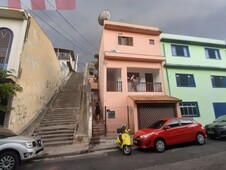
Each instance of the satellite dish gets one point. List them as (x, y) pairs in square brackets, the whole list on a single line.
[(104, 15)]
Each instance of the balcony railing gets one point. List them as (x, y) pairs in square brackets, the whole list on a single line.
[(114, 86), (145, 87)]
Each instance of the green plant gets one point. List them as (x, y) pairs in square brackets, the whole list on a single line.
[(7, 88)]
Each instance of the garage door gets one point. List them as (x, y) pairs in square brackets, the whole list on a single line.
[(149, 113)]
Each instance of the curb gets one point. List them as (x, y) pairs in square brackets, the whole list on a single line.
[(76, 153)]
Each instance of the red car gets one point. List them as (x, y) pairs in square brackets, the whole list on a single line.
[(170, 131)]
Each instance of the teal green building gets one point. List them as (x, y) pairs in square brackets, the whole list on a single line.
[(195, 72)]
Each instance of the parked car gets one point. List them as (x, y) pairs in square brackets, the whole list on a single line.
[(15, 148), (217, 129), (169, 131)]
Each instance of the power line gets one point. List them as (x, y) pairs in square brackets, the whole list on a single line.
[(74, 28), (53, 27)]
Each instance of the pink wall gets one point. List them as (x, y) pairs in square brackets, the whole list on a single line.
[(141, 51)]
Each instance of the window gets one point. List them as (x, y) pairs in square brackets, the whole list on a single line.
[(218, 81), (125, 41), (180, 50), (212, 53), (6, 37), (173, 123), (114, 82), (189, 109), (152, 42), (185, 80), (185, 121)]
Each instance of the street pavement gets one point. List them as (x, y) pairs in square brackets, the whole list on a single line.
[(210, 156)]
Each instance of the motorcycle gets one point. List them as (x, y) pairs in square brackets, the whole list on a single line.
[(123, 140)]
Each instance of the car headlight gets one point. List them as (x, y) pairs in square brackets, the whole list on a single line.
[(147, 135), (28, 144)]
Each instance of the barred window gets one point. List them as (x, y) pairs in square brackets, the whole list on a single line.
[(189, 109), (125, 41)]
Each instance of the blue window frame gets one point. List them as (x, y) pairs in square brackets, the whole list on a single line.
[(218, 81), (180, 50), (189, 109), (185, 80), (212, 53), (6, 38)]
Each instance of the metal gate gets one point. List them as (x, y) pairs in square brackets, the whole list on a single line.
[(150, 112)]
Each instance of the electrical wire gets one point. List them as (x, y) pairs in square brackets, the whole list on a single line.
[(74, 28), (53, 27)]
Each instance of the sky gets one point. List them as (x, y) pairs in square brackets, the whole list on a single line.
[(81, 31)]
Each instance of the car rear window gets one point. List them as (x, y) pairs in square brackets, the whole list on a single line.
[(5, 133), (220, 119)]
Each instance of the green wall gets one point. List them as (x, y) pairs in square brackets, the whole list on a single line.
[(202, 69)]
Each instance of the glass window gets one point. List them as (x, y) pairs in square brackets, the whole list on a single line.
[(212, 53), (218, 81), (125, 41), (189, 109), (180, 50), (185, 80), (114, 82), (152, 42), (173, 123), (6, 37), (185, 122)]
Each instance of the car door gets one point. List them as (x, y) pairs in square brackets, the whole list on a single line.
[(174, 134), (187, 129)]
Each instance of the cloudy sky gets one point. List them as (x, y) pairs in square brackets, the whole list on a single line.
[(81, 31)]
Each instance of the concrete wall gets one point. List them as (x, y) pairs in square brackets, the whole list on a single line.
[(39, 75)]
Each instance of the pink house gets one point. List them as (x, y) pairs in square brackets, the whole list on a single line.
[(128, 50)]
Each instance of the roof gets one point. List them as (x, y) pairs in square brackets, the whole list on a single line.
[(19, 14), (125, 27), (154, 99)]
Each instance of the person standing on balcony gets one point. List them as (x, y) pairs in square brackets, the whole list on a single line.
[(133, 83), (97, 111)]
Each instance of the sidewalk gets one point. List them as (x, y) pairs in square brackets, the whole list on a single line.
[(76, 149)]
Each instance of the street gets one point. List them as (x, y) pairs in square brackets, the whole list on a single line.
[(210, 156)]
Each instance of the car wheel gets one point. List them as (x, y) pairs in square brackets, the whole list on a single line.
[(200, 139), (160, 145), (9, 160)]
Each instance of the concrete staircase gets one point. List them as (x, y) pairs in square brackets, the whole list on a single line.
[(61, 119)]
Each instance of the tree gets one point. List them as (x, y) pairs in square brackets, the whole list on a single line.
[(7, 88)]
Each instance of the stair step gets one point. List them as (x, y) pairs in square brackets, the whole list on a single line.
[(57, 143), (52, 124), (48, 140), (54, 135)]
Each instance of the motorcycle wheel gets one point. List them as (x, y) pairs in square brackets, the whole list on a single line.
[(127, 150)]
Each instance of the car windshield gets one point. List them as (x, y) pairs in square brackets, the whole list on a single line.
[(220, 119), (158, 124), (5, 133)]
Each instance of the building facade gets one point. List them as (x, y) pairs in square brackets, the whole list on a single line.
[(195, 71), (127, 51), (26, 49)]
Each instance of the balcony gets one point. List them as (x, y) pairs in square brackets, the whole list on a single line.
[(114, 86), (144, 87)]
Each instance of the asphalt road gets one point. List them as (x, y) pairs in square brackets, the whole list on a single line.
[(211, 156)]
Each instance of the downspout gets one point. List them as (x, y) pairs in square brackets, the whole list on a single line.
[(167, 74)]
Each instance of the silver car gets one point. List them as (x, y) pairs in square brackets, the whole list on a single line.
[(15, 148)]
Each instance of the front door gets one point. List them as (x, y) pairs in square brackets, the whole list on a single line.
[(149, 82)]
